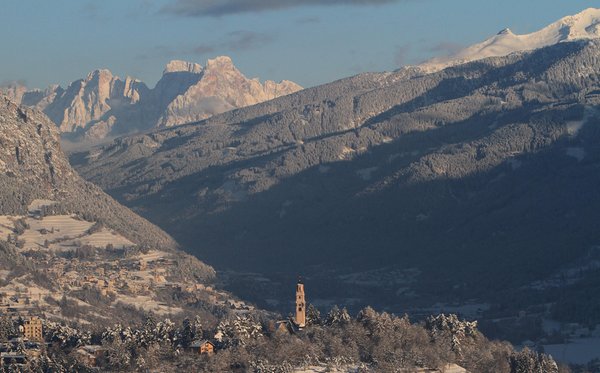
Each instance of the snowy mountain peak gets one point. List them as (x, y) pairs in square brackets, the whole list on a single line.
[(221, 62), (99, 73), (584, 25), (176, 66)]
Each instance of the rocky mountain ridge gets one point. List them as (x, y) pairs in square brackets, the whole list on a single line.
[(103, 105), (581, 26)]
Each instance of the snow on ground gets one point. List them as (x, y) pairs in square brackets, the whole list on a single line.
[(105, 237), (574, 127), (324, 368), (147, 304), (578, 351), (585, 25), (63, 232), (345, 152), (451, 368), (57, 227), (6, 226)]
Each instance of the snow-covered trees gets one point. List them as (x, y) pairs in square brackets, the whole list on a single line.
[(65, 336), (7, 328), (238, 331), (313, 316), (457, 331), (527, 361), (338, 316)]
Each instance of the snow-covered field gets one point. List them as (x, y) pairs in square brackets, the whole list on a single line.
[(103, 238), (56, 227), (62, 232), (148, 304), (6, 226)]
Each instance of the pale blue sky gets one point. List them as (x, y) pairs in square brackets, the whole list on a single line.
[(60, 41)]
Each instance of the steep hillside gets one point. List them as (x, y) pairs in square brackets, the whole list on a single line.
[(103, 105), (33, 167), (471, 173), (72, 253)]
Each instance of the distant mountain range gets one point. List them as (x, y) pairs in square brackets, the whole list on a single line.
[(482, 176), (103, 105)]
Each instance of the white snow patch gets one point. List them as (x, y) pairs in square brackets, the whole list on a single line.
[(58, 227), (105, 237), (148, 304), (6, 226), (573, 127)]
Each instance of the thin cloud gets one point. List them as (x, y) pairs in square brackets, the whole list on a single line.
[(308, 20), (217, 8), (236, 41)]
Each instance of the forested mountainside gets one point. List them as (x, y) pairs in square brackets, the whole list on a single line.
[(474, 173), (114, 294)]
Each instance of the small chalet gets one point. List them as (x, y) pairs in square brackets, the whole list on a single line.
[(91, 355), (286, 327), (202, 347)]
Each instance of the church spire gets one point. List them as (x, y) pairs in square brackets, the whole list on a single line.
[(300, 305)]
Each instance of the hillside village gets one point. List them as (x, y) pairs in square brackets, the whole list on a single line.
[(92, 267)]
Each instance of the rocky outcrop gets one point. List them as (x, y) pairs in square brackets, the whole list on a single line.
[(221, 87)]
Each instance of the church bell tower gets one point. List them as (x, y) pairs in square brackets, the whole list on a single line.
[(300, 305)]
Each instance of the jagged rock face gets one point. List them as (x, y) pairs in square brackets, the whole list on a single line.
[(222, 87), (102, 104), (33, 166), (87, 101), (14, 91)]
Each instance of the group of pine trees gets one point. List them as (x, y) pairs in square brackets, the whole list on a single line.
[(371, 342)]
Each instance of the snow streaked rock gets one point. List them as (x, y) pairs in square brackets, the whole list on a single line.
[(585, 25), (103, 105)]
